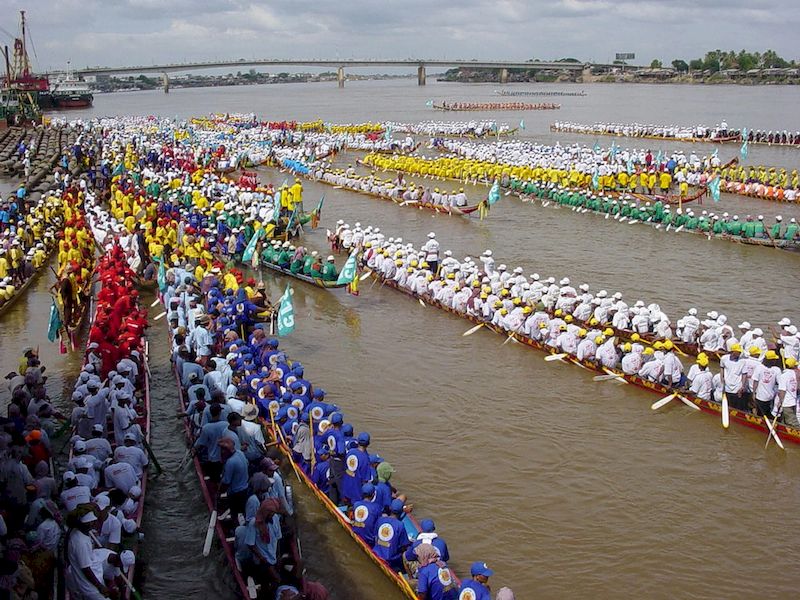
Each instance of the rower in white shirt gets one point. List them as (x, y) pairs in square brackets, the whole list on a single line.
[(765, 382)]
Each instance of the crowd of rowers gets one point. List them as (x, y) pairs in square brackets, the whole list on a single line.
[(473, 127), (95, 508), (497, 106), (601, 328), (229, 379), (27, 236), (719, 132)]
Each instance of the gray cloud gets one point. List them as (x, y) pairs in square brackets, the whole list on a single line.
[(127, 32)]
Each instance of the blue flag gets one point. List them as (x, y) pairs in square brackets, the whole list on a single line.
[(54, 324), (348, 273), (494, 193), (713, 187), (614, 149), (247, 255), (286, 313), (744, 150)]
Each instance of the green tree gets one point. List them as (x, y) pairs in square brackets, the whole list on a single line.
[(771, 60), (680, 65), (655, 64), (696, 64)]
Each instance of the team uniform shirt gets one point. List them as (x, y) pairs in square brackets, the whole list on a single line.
[(111, 531), (391, 538), (365, 514), (765, 382), (436, 582), (356, 473), (734, 371), (474, 590), (74, 496), (787, 382), (79, 556), (99, 447), (121, 476), (134, 456), (234, 472), (702, 384)]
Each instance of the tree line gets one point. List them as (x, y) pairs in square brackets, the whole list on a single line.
[(719, 60)]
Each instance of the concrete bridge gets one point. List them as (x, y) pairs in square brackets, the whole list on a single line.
[(338, 64)]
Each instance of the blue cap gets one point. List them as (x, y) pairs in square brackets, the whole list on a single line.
[(347, 429), (336, 419), (427, 526), (374, 458), (304, 417), (479, 568), (286, 397), (283, 412), (397, 506), (367, 490), (298, 369), (272, 342), (296, 385), (363, 439), (319, 393)]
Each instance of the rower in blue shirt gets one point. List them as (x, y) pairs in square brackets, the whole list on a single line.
[(356, 470), (207, 443), (428, 535), (366, 513), (391, 537), (434, 578), (334, 438), (476, 588), (320, 477), (319, 409), (235, 478)]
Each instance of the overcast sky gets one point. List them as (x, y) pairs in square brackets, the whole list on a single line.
[(138, 32)]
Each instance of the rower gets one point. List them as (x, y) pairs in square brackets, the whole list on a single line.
[(365, 515), (477, 588), (391, 537), (786, 404), (765, 383), (700, 378), (357, 469), (734, 374), (329, 270)]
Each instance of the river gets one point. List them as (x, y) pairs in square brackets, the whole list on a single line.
[(565, 486)]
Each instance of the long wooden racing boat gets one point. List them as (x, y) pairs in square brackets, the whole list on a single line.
[(222, 529), (20, 291), (328, 285), (746, 418), (410, 522)]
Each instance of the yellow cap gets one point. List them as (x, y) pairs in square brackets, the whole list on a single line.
[(648, 351), (791, 363), (527, 310), (599, 339), (414, 263), (582, 332), (503, 311), (626, 347), (593, 321), (772, 355), (504, 292), (736, 348), (635, 337), (542, 325), (484, 296), (498, 304), (409, 270), (398, 262), (658, 345), (517, 301), (568, 318), (754, 350), (702, 360), (559, 312), (476, 283), (562, 327), (608, 331), (668, 345)]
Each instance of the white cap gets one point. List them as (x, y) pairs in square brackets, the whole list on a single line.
[(89, 517), (693, 311), (784, 322), (744, 325), (127, 558), (431, 235), (758, 331), (330, 258)]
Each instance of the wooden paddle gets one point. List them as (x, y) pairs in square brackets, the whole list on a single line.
[(552, 357), (212, 522), (726, 417), (772, 433), (617, 377), (664, 401), (159, 315), (688, 402), (365, 275), (472, 330)]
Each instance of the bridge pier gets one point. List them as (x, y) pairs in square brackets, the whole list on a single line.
[(165, 79), (341, 77), (421, 75), (503, 75)]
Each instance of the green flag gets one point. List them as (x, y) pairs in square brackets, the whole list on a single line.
[(494, 193), (348, 270), (251, 246), (286, 313), (54, 325)]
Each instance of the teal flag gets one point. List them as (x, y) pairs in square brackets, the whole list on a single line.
[(387, 135), (596, 148), (286, 313), (595, 180), (522, 124), (743, 151), (494, 193), (629, 166), (658, 158), (715, 154), (348, 272), (713, 187), (276, 213), (429, 103), (247, 255), (292, 217), (614, 149), (54, 325), (119, 169), (162, 276)]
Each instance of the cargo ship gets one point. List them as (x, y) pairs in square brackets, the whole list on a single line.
[(67, 91)]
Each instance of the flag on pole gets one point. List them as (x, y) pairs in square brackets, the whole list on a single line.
[(715, 154), (429, 103), (317, 213), (247, 255), (596, 179), (348, 272), (494, 193), (54, 325), (276, 212), (596, 148), (387, 135), (658, 158), (162, 276), (614, 149), (292, 217), (713, 187), (629, 166), (286, 313), (522, 124), (743, 151)]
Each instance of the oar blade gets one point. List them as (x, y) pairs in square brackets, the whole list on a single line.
[(552, 357), (212, 522), (726, 415), (665, 400), (472, 330), (688, 402)]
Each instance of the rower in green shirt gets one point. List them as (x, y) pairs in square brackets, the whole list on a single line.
[(316, 267), (759, 227), (791, 230), (719, 226), (734, 226), (775, 231), (329, 270), (297, 263), (284, 256), (749, 228), (308, 262)]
